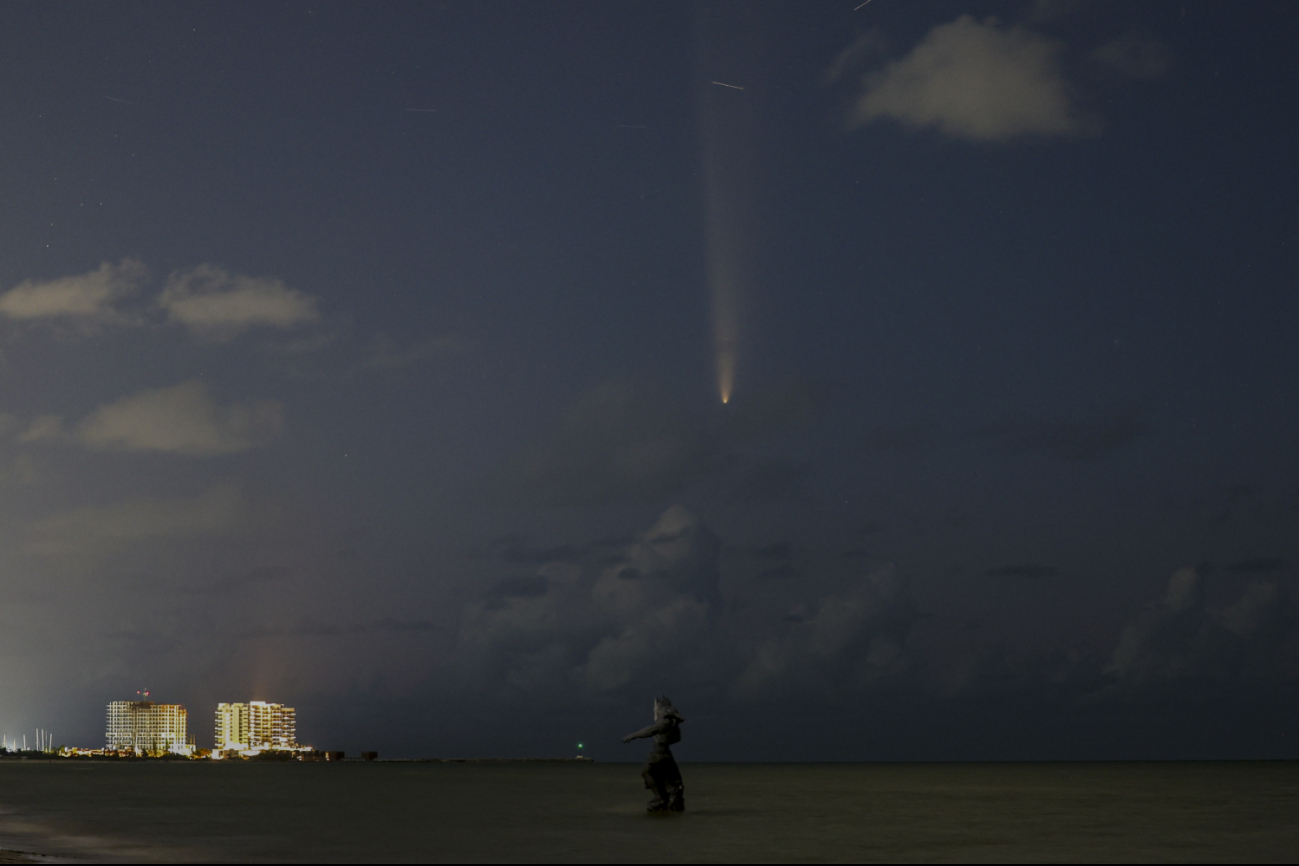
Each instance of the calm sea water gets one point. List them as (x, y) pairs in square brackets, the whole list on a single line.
[(195, 812)]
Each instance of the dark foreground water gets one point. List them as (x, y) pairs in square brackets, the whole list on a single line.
[(594, 812)]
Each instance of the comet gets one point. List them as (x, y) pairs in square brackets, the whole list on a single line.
[(726, 127), (725, 267)]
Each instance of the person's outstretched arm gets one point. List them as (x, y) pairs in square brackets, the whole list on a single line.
[(644, 732)]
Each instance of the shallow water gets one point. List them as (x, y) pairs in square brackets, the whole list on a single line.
[(386, 811)]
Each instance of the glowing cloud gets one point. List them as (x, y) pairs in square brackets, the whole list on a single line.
[(182, 419), (211, 301), (977, 81), (85, 296)]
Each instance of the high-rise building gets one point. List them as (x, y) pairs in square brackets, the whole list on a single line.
[(231, 727), (146, 728), (256, 726)]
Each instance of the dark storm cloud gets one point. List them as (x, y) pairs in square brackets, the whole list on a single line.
[(292, 378), (1034, 572), (659, 616), (1259, 565), (515, 588), (240, 582), (310, 628), (1073, 440), (1181, 638), (778, 551), (89, 534), (783, 571), (621, 442), (520, 549), (593, 630), (831, 648), (1246, 504)]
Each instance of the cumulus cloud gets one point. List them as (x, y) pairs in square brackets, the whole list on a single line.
[(855, 637), (977, 81), (564, 628), (654, 615), (1182, 638), (89, 296), (182, 419), (43, 428), (865, 48), (219, 305)]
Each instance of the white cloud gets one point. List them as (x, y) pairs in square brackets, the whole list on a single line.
[(182, 419), (975, 81), (218, 305), (85, 296)]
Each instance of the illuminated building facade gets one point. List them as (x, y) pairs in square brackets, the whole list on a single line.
[(231, 727), (256, 726), (146, 728)]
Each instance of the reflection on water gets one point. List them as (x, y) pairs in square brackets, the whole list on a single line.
[(186, 812)]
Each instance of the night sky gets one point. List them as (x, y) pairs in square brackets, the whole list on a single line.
[(371, 358)]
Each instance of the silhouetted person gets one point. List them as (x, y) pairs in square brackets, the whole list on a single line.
[(661, 774)]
